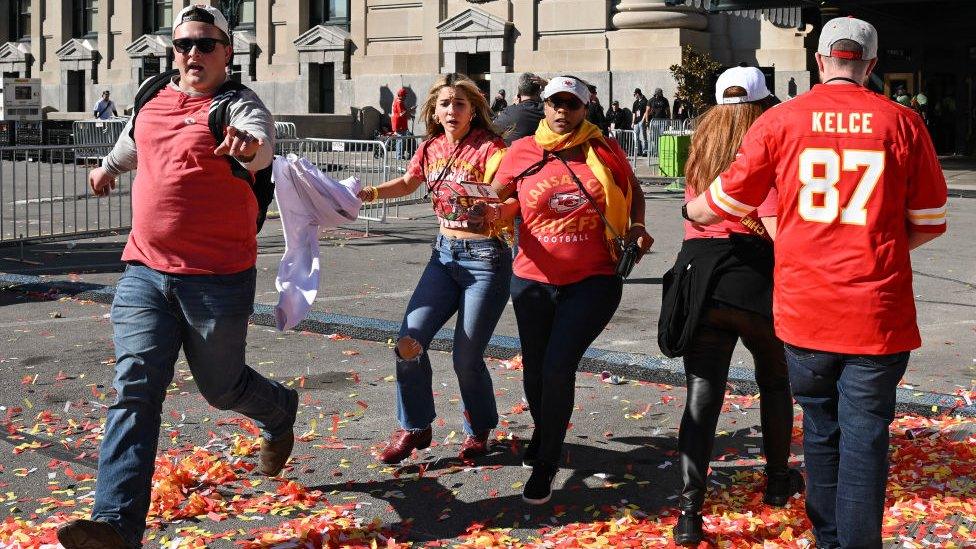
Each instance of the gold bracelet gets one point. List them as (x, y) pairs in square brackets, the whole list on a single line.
[(632, 225), (373, 193)]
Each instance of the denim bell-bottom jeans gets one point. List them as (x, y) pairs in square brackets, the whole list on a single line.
[(470, 278)]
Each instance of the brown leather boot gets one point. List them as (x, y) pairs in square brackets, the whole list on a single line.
[(403, 442), (475, 445), (90, 534), (274, 454)]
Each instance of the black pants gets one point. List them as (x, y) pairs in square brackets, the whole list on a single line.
[(707, 371), (556, 325)]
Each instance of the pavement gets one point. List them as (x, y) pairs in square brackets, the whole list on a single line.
[(616, 489)]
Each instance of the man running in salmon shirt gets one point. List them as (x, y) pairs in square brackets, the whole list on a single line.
[(859, 187), (190, 278)]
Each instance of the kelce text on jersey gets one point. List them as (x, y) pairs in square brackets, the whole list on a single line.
[(842, 122)]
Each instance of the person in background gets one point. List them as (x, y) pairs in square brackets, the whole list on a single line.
[(468, 272), (565, 288), (682, 107), (639, 121), (105, 108), (522, 118), (859, 187), (901, 97), (594, 111), (499, 104), (189, 279), (734, 264), (617, 118), (658, 106), (399, 118)]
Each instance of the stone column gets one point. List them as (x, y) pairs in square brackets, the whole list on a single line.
[(647, 40)]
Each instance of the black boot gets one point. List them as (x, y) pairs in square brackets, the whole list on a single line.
[(688, 530), (782, 486)]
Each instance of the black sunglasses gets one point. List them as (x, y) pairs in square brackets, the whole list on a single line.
[(203, 45), (569, 103)]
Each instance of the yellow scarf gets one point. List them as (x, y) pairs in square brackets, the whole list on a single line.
[(618, 200)]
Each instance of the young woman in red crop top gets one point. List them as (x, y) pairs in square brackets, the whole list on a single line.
[(468, 273)]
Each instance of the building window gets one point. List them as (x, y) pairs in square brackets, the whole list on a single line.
[(157, 16), (84, 13), (240, 14), (330, 12), (20, 19)]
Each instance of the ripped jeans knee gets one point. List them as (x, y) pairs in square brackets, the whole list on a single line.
[(408, 349)]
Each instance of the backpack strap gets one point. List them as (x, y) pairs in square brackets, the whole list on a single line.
[(218, 120), (261, 182), (147, 91)]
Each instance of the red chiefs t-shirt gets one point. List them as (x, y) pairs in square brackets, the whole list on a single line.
[(562, 238), (724, 228), (855, 171), (190, 214), (455, 173)]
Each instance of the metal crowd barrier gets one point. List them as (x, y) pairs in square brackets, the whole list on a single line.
[(628, 142), (399, 150), (44, 195), (285, 130), (342, 158), (92, 136)]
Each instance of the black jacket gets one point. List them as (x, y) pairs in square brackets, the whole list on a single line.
[(594, 113), (520, 120), (735, 271)]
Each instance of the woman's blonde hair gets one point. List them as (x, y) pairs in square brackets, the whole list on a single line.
[(465, 86), (718, 136)]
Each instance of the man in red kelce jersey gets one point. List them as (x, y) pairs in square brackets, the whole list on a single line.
[(859, 187)]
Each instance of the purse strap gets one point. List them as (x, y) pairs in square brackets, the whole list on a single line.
[(589, 197)]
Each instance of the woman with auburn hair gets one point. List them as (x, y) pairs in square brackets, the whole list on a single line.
[(724, 277), (468, 272), (577, 196)]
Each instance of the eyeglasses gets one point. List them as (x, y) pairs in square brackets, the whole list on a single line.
[(203, 45), (569, 103)]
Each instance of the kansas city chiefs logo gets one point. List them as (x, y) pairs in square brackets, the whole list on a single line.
[(565, 202)]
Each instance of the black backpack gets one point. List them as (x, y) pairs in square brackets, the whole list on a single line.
[(261, 183)]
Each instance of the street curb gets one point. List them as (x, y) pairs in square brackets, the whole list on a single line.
[(654, 369)]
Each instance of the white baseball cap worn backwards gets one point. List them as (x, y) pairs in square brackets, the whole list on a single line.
[(204, 14), (750, 79), (567, 84), (848, 28)]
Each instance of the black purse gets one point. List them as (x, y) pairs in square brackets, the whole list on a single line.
[(626, 253)]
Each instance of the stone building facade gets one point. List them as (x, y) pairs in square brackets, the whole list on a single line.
[(340, 56)]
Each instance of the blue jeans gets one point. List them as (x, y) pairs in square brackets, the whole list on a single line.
[(640, 137), (848, 404), (556, 324), (153, 315), (400, 138), (470, 278)]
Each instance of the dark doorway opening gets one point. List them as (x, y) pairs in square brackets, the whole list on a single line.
[(478, 68), (321, 93), (76, 91)]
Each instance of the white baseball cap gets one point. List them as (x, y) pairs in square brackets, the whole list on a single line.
[(568, 84), (848, 28), (750, 79), (204, 14)]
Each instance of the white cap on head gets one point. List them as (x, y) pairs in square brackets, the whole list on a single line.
[(204, 14), (750, 79), (848, 28), (568, 84)]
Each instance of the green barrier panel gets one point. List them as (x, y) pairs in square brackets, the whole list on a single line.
[(672, 154)]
